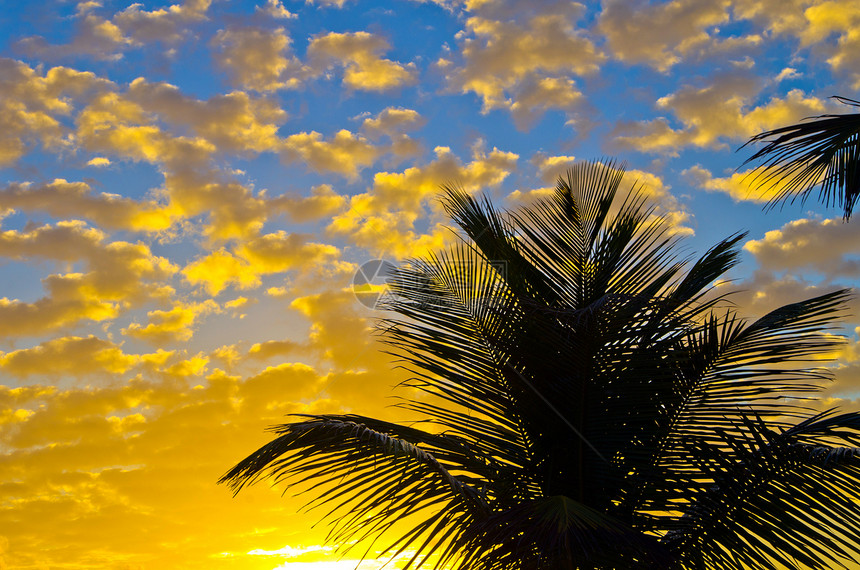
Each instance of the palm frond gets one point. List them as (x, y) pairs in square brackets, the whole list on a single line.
[(781, 502), (824, 152), (588, 401), (384, 472), (556, 532)]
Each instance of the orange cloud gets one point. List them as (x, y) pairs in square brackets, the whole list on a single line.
[(270, 253), (322, 202), (392, 121)]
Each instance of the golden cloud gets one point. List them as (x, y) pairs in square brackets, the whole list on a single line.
[(359, 53), (281, 251), (740, 185), (164, 24), (322, 202), (509, 57), (119, 275), (74, 356), (258, 59), (233, 210), (33, 104), (114, 125), (173, 325), (103, 38), (392, 121), (270, 253), (826, 246), (345, 153), (232, 122), (219, 269), (383, 219), (711, 114), (61, 198), (841, 18), (275, 9), (660, 34)]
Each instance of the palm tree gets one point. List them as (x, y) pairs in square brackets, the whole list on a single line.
[(824, 153), (588, 401)]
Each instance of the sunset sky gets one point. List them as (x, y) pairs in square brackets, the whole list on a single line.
[(188, 190)]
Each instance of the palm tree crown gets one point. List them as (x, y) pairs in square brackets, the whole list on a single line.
[(589, 402), (824, 152)]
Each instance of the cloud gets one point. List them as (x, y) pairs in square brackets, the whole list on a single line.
[(119, 275), (524, 58), (711, 114), (285, 382), (35, 104), (345, 153), (275, 9), (61, 198), (322, 202), (269, 253), (113, 125), (384, 219), (359, 53), (328, 3), (271, 348), (173, 325), (842, 19), (108, 457), (281, 251), (164, 24), (232, 209), (392, 121), (153, 123), (537, 96), (219, 269), (774, 16), (94, 36), (235, 122), (826, 246), (660, 34), (741, 186), (258, 59), (74, 356), (107, 39), (99, 162)]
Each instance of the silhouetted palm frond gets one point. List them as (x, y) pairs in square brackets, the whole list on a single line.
[(823, 152), (588, 402)]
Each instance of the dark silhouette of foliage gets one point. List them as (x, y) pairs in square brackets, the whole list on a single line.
[(589, 402), (823, 153)]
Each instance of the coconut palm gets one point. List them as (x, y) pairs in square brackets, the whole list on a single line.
[(588, 401), (823, 153)]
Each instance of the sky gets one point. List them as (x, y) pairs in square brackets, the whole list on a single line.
[(188, 190)]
